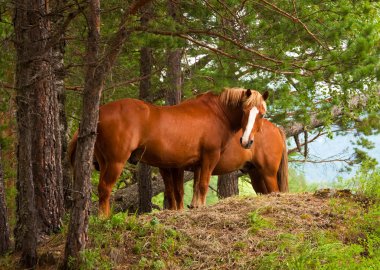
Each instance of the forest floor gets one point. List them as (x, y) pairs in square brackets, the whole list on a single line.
[(327, 229)]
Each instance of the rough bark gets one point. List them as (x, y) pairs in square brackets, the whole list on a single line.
[(78, 226), (97, 69), (5, 242), (144, 172), (35, 42), (174, 80), (59, 73), (228, 185), (25, 232), (47, 168), (174, 91), (174, 57), (30, 38), (46, 151), (144, 176)]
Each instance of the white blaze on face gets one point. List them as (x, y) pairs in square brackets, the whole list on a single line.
[(251, 121)]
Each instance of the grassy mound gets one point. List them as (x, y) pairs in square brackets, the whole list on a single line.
[(324, 230)]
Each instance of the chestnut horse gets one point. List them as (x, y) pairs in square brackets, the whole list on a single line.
[(266, 162), (190, 134)]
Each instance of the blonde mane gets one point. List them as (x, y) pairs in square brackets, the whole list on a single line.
[(233, 96)]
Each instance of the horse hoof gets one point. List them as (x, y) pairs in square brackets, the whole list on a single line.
[(190, 206)]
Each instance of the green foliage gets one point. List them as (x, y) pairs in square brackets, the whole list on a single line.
[(93, 259), (317, 252), (102, 232), (331, 55), (258, 222), (151, 241), (369, 125), (154, 242), (365, 181), (355, 248)]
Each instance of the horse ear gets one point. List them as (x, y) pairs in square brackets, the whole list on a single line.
[(265, 95), (248, 93)]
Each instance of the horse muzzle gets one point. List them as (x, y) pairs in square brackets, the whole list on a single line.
[(246, 145)]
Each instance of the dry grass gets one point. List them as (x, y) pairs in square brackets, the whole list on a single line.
[(215, 235), (228, 235)]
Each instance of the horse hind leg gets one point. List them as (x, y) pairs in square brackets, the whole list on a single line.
[(208, 165), (271, 184), (257, 182), (203, 186), (195, 200), (109, 173), (264, 181), (169, 193)]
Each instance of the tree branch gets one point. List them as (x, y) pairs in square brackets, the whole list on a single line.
[(294, 19), (356, 102)]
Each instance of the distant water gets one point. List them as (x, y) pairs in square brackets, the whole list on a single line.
[(340, 147)]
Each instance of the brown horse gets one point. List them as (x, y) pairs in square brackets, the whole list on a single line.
[(190, 134), (265, 161)]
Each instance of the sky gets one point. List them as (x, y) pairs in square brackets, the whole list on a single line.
[(326, 173)]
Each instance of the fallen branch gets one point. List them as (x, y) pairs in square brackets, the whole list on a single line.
[(127, 199)]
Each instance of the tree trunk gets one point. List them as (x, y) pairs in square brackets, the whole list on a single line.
[(144, 176), (25, 232), (35, 42), (174, 91), (59, 86), (4, 227), (174, 57), (46, 152), (174, 76), (144, 173), (97, 69), (78, 226), (32, 76), (174, 79), (228, 185)]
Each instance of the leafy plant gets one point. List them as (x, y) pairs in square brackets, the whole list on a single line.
[(365, 181), (93, 259), (258, 222)]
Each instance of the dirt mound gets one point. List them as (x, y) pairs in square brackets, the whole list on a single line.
[(230, 234), (237, 233)]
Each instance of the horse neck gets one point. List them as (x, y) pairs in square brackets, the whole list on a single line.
[(232, 115)]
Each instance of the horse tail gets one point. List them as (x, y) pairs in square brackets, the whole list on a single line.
[(282, 173), (71, 152), (72, 148)]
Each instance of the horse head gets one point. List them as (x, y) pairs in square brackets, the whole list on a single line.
[(253, 113)]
